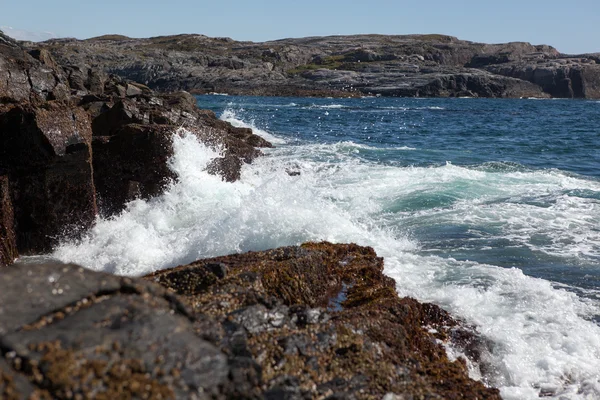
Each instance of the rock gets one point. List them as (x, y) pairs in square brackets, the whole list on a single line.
[(321, 320), (49, 113), (400, 65), (254, 325), (8, 239), (134, 142), (88, 334), (24, 78), (47, 155), (567, 78), (132, 163)]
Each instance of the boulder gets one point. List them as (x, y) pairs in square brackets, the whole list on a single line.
[(46, 151), (81, 334), (24, 78)]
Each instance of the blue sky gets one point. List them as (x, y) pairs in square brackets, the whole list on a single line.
[(571, 27)]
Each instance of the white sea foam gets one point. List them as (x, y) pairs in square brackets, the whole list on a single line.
[(543, 340), (430, 108), (327, 106), (230, 116)]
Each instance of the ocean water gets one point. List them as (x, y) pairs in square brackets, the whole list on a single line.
[(489, 208)]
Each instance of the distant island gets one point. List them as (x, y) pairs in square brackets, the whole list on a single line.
[(361, 65)]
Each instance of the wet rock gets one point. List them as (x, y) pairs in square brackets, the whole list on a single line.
[(133, 141), (82, 333), (272, 306), (130, 163), (49, 113), (47, 155), (8, 239)]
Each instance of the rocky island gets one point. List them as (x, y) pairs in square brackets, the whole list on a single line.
[(407, 65), (86, 126)]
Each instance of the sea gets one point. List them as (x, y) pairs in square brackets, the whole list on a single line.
[(489, 208)]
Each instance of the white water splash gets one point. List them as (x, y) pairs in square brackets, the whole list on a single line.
[(230, 116)]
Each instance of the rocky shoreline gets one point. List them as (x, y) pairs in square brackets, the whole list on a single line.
[(338, 66), (76, 142)]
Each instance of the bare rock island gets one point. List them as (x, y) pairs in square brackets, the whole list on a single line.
[(402, 65)]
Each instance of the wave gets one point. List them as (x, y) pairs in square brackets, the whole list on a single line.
[(543, 339), (230, 116), (327, 106)]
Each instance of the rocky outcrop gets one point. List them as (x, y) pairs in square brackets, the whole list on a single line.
[(561, 77), (75, 137), (401, 65), (46, 151), (81, 334), (312, 321), (133, 136), (322, 321)]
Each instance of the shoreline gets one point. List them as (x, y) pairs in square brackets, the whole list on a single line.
[(76, 142)]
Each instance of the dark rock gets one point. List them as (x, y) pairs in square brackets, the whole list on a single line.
[(46, 153), (132, 163), (81, 333), (24, 78), (134, 141), (228, 167), (46, 144), (8, 239)]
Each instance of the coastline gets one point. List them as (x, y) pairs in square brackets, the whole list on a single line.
[(76, 142), (385, 65)]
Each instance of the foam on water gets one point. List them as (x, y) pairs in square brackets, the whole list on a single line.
[(230, 116), (543, 339)]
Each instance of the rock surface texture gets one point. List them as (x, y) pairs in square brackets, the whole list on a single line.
[(408, 65), (75, 141), (255, 325)]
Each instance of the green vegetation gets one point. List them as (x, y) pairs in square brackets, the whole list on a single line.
[(109, 37), (331, 62)]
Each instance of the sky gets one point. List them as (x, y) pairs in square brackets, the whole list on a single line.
[(572, 27)]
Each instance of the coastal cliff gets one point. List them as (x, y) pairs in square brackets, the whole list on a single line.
[(407, 65)]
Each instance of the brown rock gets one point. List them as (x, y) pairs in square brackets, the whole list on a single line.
[(130, 163), (24, 78), (8, 240), (47, 155), (322, 320), (67, 332)]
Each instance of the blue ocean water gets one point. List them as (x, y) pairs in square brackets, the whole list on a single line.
[(521, 144), (489, 208)]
